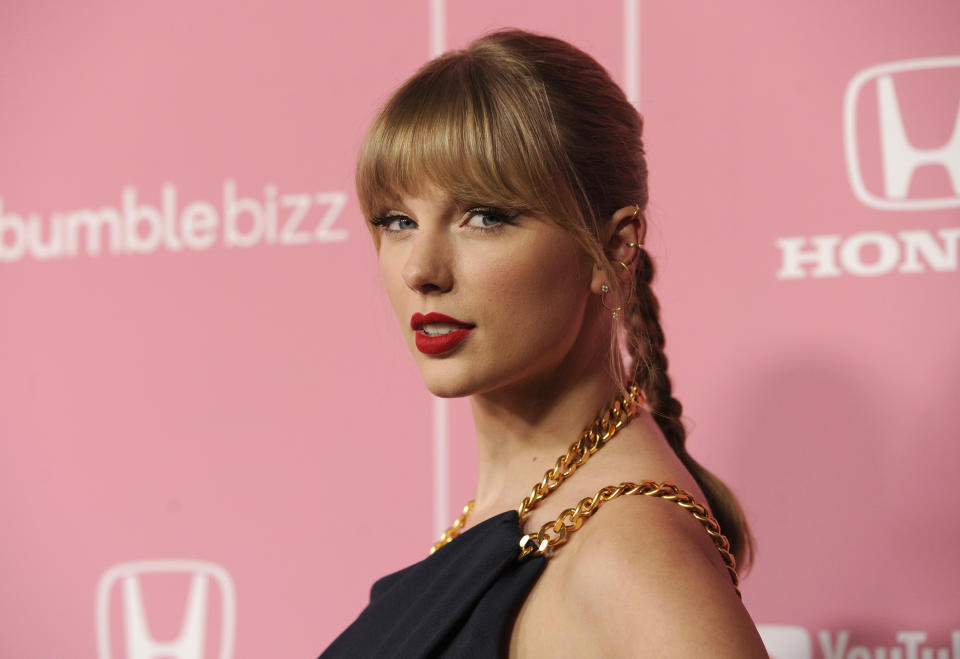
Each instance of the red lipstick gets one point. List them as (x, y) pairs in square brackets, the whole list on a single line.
[(439, 344)]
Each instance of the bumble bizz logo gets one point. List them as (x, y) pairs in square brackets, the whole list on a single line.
[(909, 251), (136, 227)]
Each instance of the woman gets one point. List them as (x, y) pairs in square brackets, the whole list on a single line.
[(505, 186)]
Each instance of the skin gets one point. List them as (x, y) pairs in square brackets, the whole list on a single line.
[(641, 577)]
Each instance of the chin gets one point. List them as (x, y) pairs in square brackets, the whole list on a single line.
[(447, 387), (444, 379)]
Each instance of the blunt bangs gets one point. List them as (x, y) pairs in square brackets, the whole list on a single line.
[(478, 129)]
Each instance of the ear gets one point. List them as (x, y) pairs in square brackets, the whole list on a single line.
[(625, 226)]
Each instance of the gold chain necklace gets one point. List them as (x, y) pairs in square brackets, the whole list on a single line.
[(598, 433), (594, 437)]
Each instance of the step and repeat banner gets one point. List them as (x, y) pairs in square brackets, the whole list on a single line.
[(212, 437)]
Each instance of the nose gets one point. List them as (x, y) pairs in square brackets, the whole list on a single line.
[(428, 265)]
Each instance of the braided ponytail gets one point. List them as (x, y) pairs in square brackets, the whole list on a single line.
[(645, 344)]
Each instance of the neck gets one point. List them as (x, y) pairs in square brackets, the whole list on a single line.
[(522, 429)]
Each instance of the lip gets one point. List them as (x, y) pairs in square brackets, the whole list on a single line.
[(418, 320), (437, 345)]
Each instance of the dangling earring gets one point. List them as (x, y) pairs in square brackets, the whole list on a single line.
[(604, 289)]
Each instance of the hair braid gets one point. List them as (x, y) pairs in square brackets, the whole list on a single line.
[(645, 343)]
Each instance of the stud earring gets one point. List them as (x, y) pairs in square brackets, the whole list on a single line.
[(615, 311)]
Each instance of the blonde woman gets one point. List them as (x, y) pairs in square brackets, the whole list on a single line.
[(505, 186)]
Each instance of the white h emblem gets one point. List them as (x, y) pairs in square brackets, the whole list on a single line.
[(189, 644), (898, 157)]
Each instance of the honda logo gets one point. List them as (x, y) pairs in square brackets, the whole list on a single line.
[(899, 158), (139, 642)]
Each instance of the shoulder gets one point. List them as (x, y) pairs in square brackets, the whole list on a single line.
[(644, 574)]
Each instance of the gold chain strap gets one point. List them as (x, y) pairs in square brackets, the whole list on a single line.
[(454, 530), (607, 423), (592, 440), (603, 428), (571, 519)]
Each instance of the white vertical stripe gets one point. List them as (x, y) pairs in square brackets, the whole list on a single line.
[(441, 409), (441, 466), (438, 28), (631, 50)]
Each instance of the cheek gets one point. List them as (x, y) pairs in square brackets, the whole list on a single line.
[(540, 291), (390, 275)]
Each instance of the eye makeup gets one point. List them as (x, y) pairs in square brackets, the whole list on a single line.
[(395, 222)]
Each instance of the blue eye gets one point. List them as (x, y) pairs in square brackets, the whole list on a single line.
[(393, 222), (488, 219), (483, 219)]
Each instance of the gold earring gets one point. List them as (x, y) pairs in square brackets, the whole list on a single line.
[(606, 289), (636, 214)]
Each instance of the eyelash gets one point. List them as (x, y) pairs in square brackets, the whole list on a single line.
[(503, 218)]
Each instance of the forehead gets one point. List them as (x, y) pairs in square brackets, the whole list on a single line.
[(427, 193), (466, 181), (431, 196)]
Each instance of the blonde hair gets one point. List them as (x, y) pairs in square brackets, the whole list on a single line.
[(533, 124)]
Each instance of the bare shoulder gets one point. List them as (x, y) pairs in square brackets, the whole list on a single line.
[(646, 577)]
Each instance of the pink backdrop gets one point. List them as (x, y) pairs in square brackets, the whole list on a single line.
[(206, 401)]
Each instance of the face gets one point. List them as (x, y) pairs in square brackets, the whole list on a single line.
[(485, 298)]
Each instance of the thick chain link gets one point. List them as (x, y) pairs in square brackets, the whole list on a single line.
[(553, 534), (603, 428), (607, 423), (454, 530)]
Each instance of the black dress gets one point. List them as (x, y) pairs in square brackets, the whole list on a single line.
[(460, 601)]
